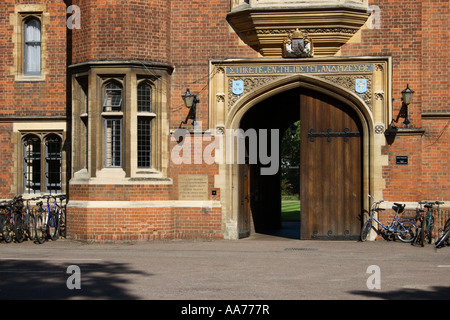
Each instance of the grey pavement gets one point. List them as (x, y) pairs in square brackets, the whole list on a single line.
[(260, 267)]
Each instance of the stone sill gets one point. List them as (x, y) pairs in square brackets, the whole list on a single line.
[(396, 131), (436, 115), (116, 176)]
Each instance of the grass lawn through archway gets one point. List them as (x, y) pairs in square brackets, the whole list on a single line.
[(290, 210)]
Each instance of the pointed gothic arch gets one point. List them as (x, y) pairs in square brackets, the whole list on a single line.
[(323, 88)]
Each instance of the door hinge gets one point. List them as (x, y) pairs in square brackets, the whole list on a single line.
[(329, 134)]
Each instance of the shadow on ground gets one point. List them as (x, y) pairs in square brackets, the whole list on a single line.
[(289, 229), (26, 280), (435, 293)]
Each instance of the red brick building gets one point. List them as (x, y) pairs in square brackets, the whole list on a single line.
[(92, 100)]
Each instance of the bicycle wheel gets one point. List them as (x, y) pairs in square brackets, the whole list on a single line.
[(6, 228), (420, 239), (365, 231), (19, 227), (406, 231), (443, 239), (429, 230), (52, 226), (62, 223), (41, 233), (31, 226), (447, 226)]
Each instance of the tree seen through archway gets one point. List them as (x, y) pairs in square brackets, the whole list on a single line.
[(290, 173)]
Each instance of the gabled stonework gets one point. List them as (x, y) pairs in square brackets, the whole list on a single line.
[(264, 24)]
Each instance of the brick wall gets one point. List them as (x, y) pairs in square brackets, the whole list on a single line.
[(435, 56), (6, 161), (415, 34), (186, 35), (27, 100), (200, 32), (121, 30), (142, 224), (435, 184), (44, 98), (102, 192), (198, 159), (399, 36)]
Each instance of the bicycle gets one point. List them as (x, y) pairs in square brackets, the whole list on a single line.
[(47, 220), (12, 221), (444, 239), (61, 216), (30, 219), (425, 233), (18, 218), (421, 231), (57, 218), (5, 221), (405, 230)]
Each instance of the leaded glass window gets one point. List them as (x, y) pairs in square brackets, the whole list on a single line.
[(32, 50), (113, 98)]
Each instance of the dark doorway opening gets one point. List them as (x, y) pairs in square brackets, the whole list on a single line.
[(329, 175), (279, 112)]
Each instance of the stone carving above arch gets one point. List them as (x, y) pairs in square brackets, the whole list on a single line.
[(250, 84), (264, 24), (237, 81), (348, 82)]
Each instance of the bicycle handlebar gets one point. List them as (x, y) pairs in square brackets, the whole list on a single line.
[(49, 196), (18, 200), (17, 203), (429, 204), (375, 202)]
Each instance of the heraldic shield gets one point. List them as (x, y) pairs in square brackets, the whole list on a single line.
[(361, 85), (237, 87), (297, 45)]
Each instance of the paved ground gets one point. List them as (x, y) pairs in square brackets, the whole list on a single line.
[(261, 267)]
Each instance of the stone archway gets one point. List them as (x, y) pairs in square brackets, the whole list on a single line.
[(372, 109)]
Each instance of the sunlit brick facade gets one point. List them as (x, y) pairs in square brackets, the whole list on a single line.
[(105, 90)]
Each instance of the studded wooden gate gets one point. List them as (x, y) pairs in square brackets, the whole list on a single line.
[(330, 169)]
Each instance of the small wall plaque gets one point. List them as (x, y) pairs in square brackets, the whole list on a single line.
[(193, 187), (401, 160)]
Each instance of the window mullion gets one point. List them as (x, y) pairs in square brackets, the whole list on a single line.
[(113, 142), (144, 119)]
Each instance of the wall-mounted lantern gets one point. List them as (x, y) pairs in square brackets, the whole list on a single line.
[(190, 101), (407, 97)]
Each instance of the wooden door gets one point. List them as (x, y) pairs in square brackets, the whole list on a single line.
[(330, 169), (244, 205)]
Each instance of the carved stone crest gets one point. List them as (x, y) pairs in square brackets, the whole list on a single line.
[(297, 45), (237, 87), (361, 86)]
